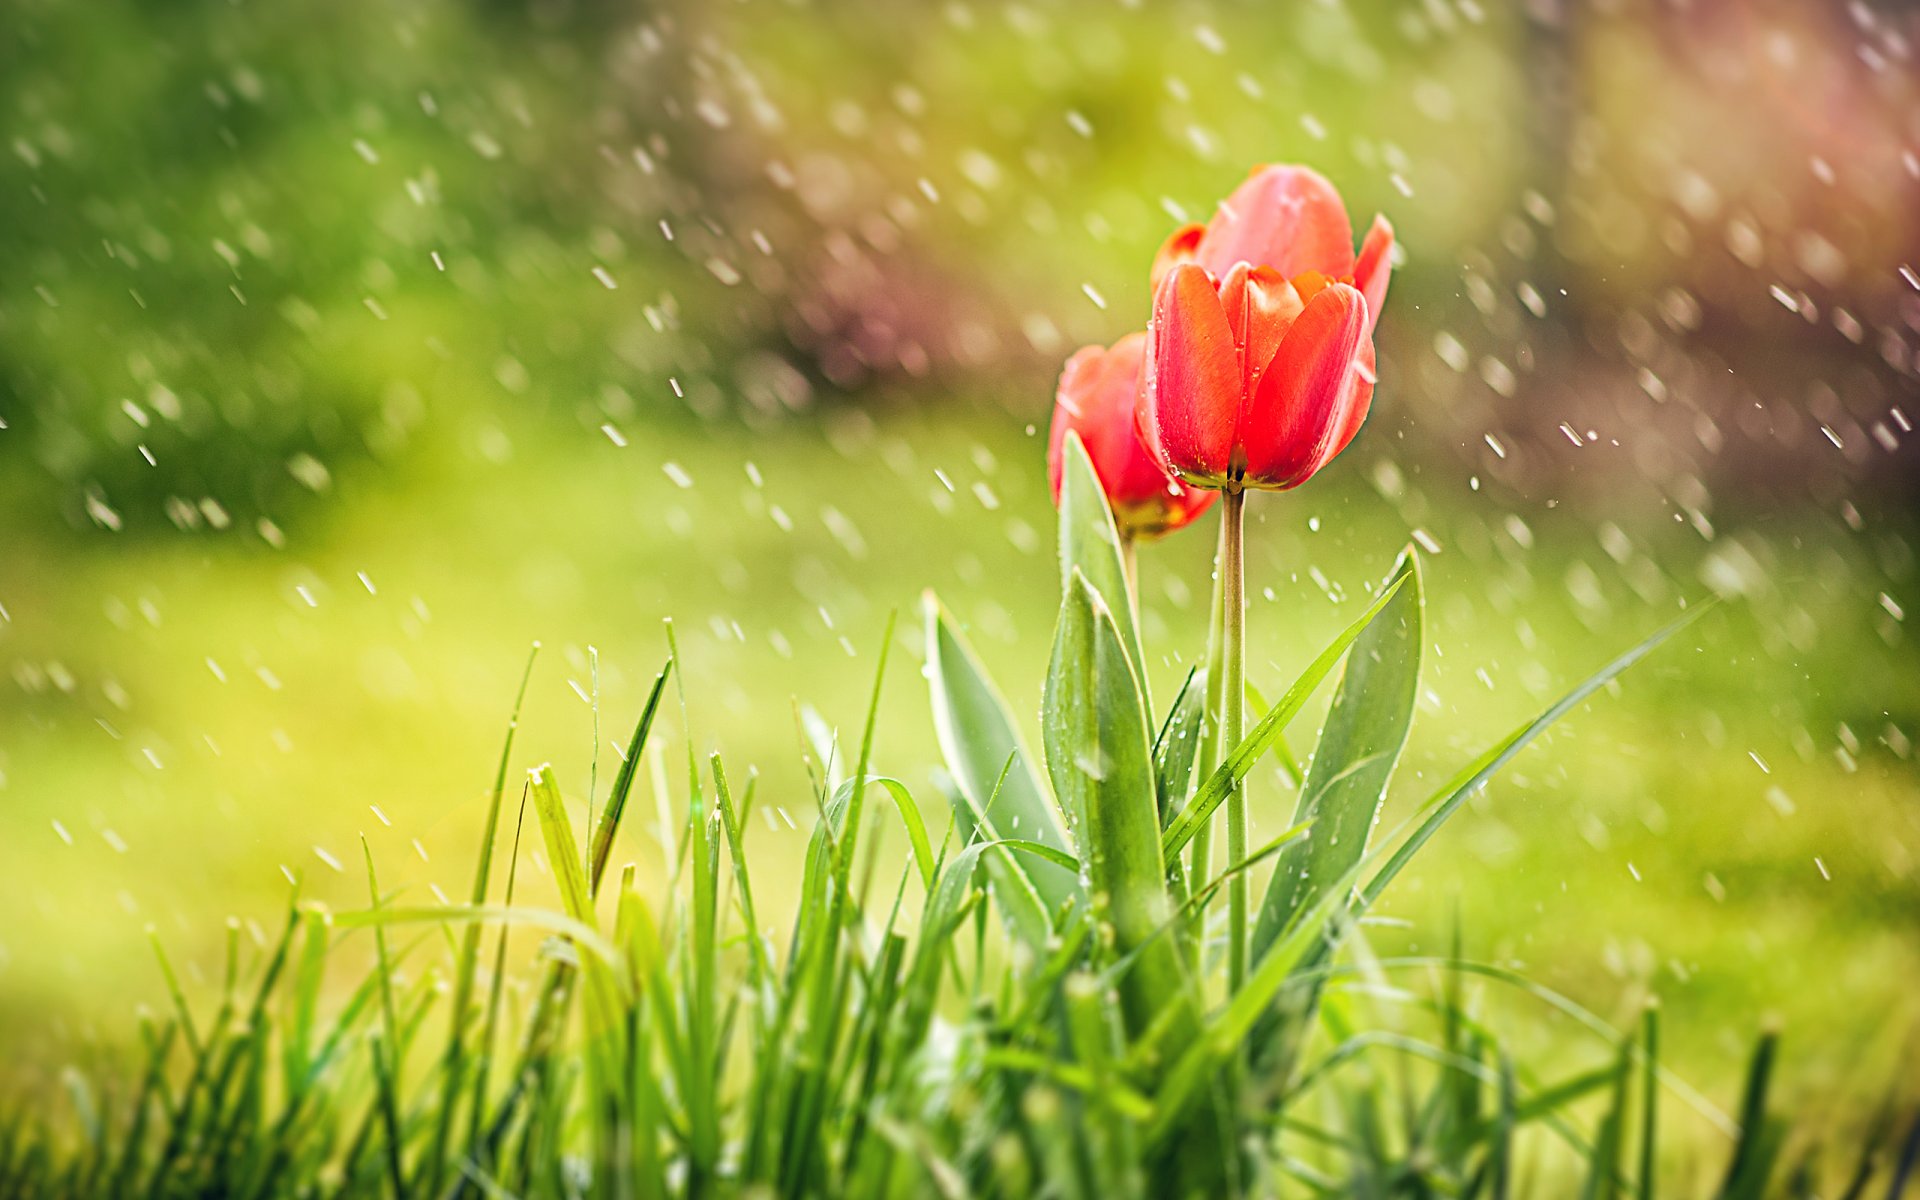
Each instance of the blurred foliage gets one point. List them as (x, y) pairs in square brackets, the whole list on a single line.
[(244, 247)]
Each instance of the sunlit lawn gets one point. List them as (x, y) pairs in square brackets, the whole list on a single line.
[(196, 713)]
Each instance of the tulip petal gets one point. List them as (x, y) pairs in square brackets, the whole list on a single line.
[(1179, 247), (1358, 398), (1261, 305), (1287, 218), (1297, 413), (1192, 380), (1130, 474), (1070, 407), (1375, 264), (1096, 400)]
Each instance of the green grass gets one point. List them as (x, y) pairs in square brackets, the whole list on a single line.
[(955, 1020)]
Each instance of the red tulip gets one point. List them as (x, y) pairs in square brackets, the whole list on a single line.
[(1096, 398), (1260, 364)]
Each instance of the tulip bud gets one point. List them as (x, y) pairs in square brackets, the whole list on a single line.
[(1096, 399), (1259, 365)]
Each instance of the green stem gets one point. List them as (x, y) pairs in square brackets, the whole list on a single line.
[(1201, 864), (1233, 697), (1130, 567)]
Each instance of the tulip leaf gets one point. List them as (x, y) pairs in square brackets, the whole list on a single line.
[(1178, 748), (1100, 759), (1090, 544), (1365, 732), (1281, 1031), (1445, 802), (999, 794)]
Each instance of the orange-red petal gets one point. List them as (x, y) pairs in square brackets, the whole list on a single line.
[(1071, 406), (1095, 401), (1193, 379), (1372, 269), (1179, 247), (1261, 305), (1297, 413), (1284, 217), (1359, 396), (1129, 474)]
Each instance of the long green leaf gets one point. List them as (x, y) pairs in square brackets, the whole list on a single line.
[(569, 871), (1098, 754), (1177, 748), (994, 773), (1365, 732), (1445, 802)]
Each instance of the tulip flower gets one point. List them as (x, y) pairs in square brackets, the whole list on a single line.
[(1259, 370), (1260, 365), (1096, 400)]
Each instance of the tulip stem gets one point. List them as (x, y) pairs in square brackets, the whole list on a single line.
[(1130, 564), (1201, 865), (1233, 699)]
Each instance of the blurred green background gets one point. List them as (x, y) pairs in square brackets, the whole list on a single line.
[(347, 349)]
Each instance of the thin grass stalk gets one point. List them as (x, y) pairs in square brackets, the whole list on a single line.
[(1751, 1161), (828, 991), (490, 1026), (556, 990), (136, 1137), (1649, 1098), (454, 1061), (700, 1076), (389, 1117)]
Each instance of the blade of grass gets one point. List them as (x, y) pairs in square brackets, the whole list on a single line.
[(609, 819), (1365, 732), (1759, 1142), (1603, 1165), (1445, 802), (454, 1059), (1649, 1099), (1229, 774), (490, 1024)]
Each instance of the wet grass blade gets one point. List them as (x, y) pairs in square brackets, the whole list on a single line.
[(1758, 1145), (608, 823), (1649, 1100), (1177, 747), (1365, 732), (1264, 733), (1603, 1165), (490, 1023), (454, 1059), (1450, 797)]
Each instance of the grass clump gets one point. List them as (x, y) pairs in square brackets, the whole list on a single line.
[(1037, 1003)]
